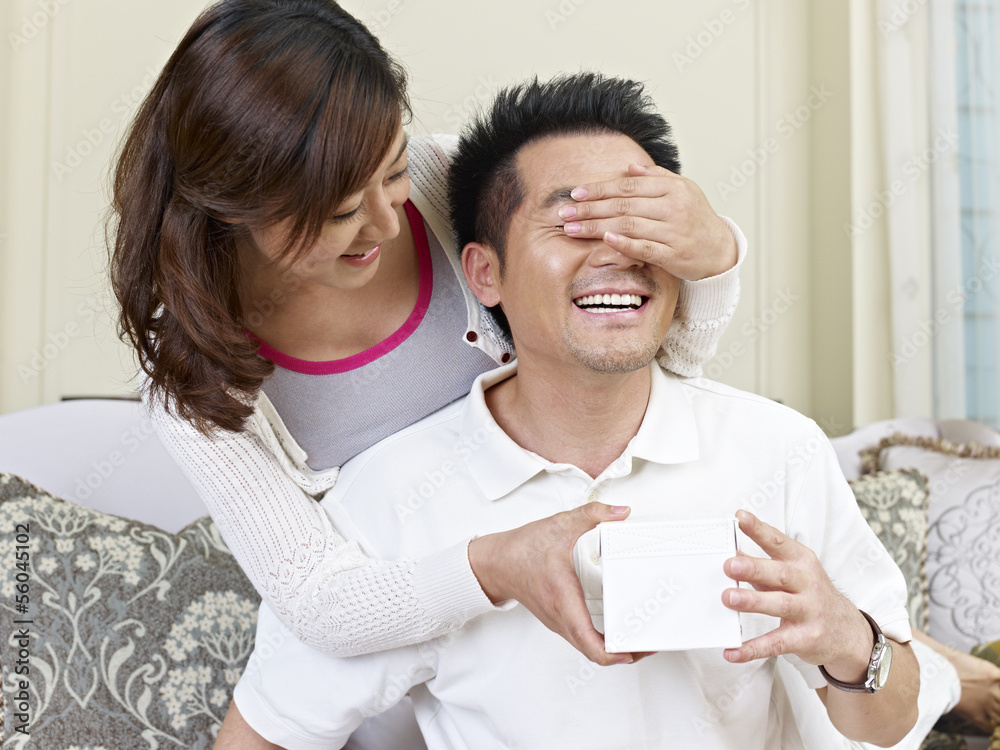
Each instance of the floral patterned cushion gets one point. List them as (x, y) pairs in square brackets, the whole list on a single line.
[(135, 637), (963, 538), (895, 505)]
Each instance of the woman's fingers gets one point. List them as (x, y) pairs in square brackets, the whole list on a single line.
[(640, 181), (656, 217), (651, 207)]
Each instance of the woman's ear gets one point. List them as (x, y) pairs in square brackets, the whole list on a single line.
[(482, 272)]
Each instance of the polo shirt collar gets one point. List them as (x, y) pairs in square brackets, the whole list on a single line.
[(495, 461), (667, 435)]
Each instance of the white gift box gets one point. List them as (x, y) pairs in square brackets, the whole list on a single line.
[(657, 585)]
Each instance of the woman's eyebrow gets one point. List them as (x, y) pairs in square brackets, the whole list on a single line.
[(406, 142)]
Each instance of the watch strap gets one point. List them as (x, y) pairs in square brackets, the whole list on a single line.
[(868, 686)]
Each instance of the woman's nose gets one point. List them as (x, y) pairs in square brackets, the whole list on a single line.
[(383, 216)]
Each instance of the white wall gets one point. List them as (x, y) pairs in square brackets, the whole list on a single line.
[(77, 70), (742, 81)]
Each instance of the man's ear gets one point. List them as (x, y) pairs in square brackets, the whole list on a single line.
[(482, 272)]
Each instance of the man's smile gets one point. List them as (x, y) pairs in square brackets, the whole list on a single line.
[(610, 302)]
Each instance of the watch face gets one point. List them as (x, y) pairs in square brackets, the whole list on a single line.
[(883, 667)]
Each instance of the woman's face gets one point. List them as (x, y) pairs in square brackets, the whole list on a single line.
[(346, 253)]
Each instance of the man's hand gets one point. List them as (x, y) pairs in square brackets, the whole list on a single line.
[(534, 565), (818, 623), (655, 216)]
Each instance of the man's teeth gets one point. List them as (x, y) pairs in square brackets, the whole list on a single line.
[(601, 301)]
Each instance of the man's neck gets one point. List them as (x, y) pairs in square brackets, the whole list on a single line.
[(585, 419)]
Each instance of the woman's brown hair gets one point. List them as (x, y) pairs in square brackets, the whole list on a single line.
[(267, 110)]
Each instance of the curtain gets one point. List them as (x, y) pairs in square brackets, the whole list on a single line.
[(938, 97)]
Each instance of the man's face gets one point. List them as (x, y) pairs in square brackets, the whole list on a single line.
[(555, 289)]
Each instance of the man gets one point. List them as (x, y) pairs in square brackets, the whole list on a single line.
[(584, 414)]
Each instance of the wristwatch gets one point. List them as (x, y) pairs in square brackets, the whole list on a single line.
[(878, 665)]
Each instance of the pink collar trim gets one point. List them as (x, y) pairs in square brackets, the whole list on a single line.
[(355, 361)]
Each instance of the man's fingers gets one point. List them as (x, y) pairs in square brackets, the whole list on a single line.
[(587, 516), (779, 604), (579, 630), (776, 544), (763, 647), (762, 573), (590, 643)]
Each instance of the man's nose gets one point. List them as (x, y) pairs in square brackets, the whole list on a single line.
[(603, 254)]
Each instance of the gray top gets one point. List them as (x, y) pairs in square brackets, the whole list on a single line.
[(424, 365)]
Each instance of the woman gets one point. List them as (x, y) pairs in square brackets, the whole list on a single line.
[(290, 307)]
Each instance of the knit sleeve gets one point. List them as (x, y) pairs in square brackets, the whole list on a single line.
[(320, 585), (704, 309)]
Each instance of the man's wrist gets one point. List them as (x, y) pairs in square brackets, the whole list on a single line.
[(853, 668), (480, 558), (879, 664)]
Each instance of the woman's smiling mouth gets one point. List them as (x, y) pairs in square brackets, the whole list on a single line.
[(362, 259)]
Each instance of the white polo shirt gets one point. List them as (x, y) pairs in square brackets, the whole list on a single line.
[(703, 450)]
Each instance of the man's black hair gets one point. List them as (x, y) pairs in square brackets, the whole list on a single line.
[(484, 185)]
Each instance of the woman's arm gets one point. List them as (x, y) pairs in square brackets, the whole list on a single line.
[(322, 587), (334, 598), (705, 308)]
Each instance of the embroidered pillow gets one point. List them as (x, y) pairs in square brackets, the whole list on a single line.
[(963, 542), (895, 505), (134, 637)]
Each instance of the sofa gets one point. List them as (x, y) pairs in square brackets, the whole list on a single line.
[(137, 622), (931, 491)]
